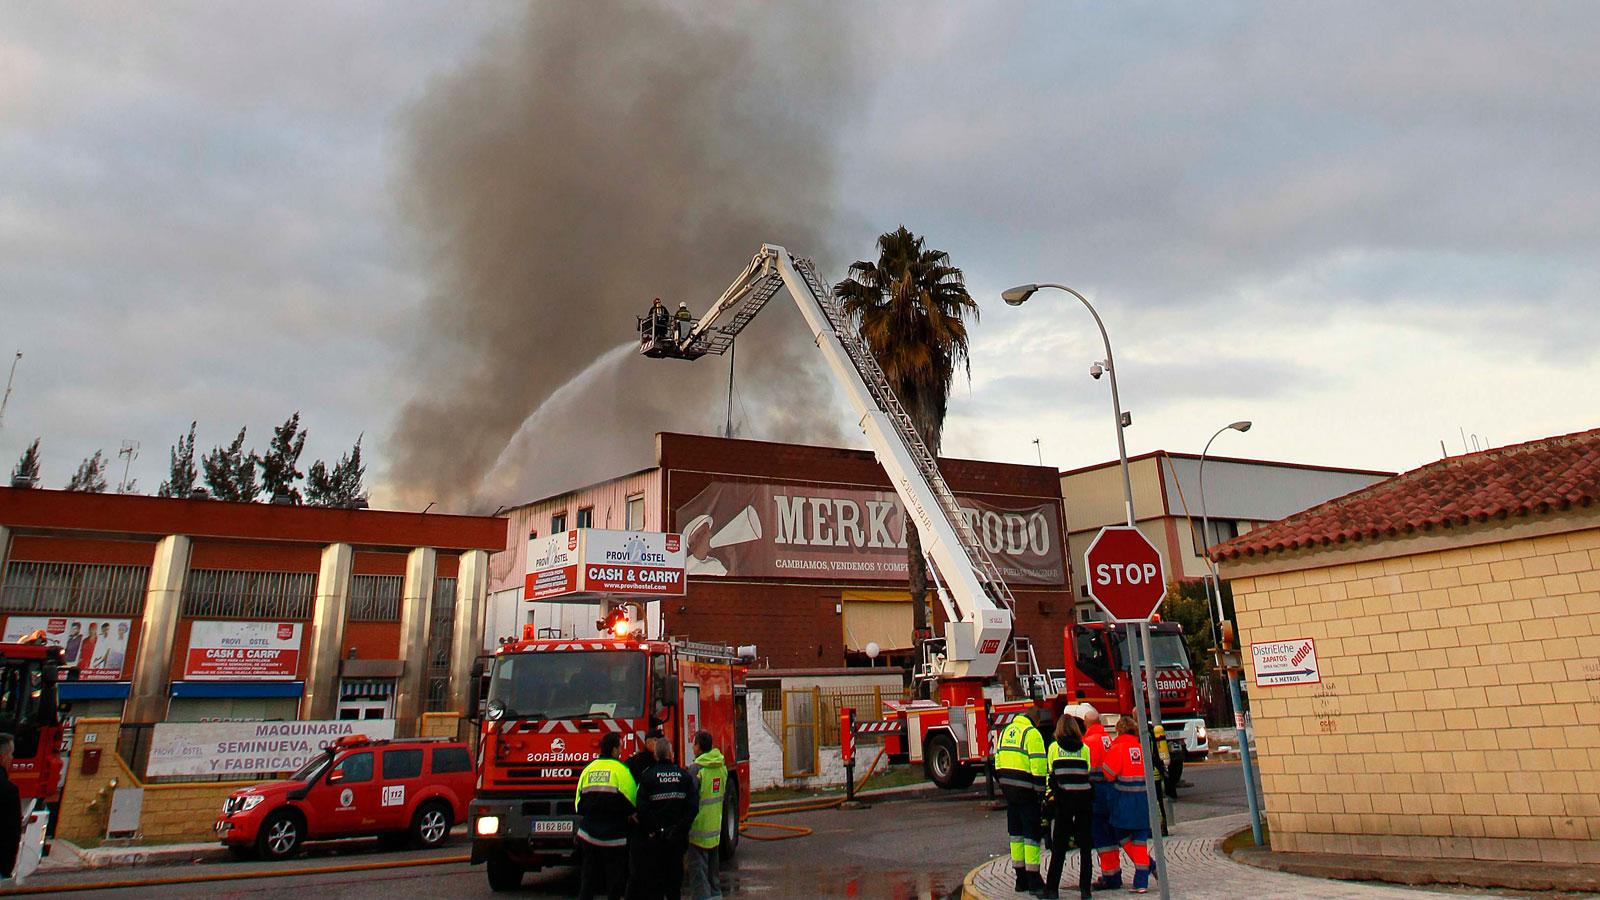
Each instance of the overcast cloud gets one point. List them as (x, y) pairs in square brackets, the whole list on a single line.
[(1366, 227)]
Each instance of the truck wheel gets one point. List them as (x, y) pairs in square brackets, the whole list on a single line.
[(280, 835), (943, 767), (430, 825), (730, 822), (504, 875)]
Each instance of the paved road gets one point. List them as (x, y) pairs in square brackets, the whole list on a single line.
[(919, 848)]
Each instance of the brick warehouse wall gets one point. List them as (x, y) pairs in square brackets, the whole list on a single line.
[(1459, 709), (794, 623)]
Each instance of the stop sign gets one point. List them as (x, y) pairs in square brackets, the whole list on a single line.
[(1126, 576)]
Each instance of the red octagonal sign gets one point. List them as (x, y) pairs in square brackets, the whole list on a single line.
[(1126, 576)]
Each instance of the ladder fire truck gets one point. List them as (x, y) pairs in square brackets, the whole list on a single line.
[(951, 734), (1099, 672), (548, 704)]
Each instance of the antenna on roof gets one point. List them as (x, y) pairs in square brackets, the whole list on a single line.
[(1443, 453)]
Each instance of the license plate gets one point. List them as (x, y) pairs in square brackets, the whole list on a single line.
[(552, 826)]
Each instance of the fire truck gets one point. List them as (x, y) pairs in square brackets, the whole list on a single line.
[(968, 669), (547, 705), (29, 711), (1098, 672)]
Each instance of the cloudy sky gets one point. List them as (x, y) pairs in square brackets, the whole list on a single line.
[(1368, 228)]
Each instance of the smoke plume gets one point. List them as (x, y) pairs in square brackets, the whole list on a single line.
[(603, 154)]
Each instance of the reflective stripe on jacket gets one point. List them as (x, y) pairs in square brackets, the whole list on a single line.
[(1069, 770), (711, 775), (605, 797)]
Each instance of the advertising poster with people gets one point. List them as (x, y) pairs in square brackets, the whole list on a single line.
[(97, 646)]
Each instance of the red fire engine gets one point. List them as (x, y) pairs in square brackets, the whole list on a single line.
[(1098, 673), (548, 704), (29, 711)]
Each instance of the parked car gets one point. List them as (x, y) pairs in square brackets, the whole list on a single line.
[(403, 791)]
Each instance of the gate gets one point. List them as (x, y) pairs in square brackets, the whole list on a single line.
[(801, 738)]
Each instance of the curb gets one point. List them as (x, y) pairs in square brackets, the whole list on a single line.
[(229, 876), (1475, 873)]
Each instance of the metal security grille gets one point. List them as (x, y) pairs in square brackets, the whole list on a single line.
[(236, 593), (375, 598), (441, 632), (77, 588)]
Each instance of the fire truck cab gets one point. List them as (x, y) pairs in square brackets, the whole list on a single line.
[(29, 711), (547, 705), (1098, 663)]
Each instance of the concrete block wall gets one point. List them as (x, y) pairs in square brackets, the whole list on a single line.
[(1459, 709), (171, 813)]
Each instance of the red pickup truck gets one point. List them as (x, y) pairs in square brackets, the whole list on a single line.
[(402, 791)]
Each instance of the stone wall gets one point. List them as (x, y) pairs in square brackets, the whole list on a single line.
[(1458, 713), (172, 813)]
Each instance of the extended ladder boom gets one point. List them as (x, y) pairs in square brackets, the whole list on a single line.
[(976, 600)]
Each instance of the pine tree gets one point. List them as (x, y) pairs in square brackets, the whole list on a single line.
[(184, 475), (278, 472), (91, 475), (27, 468), (340, 485), (231, 472)]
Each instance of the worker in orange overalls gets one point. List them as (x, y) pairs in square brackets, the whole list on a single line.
[(1105, 839), (1130, 813)]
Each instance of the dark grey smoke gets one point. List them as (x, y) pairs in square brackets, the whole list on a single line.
[(603, 154)]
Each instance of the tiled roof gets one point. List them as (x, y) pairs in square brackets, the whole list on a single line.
[(1535, 478)]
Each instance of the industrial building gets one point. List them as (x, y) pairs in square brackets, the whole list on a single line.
[(202, 610), (797, 549), (1241, 494)]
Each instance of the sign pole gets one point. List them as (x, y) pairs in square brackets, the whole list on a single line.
[(1159, 857), (1153, 693)]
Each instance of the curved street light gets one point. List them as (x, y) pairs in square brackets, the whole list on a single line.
[(1019, 295), (1214, 594)]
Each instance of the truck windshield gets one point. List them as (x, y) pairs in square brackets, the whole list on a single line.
[(312, 768), (1166, 647), (568, 684)]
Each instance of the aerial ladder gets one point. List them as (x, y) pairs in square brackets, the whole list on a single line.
[(977, 604)]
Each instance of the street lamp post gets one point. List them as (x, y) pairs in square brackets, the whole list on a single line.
[(1016, 297), (1214, 596)]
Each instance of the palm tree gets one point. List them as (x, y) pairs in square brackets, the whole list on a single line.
[(909, 307)]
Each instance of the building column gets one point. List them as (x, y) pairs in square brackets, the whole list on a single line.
[(151, 682), (472, 594), (5, 553), (416, 614), (321, 698)]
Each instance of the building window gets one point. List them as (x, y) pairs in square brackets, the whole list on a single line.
[(375, 598), (586, 517), (241, 594), (635, 513), (558, 523), (441, 634), (1221, 530), (79, 588)]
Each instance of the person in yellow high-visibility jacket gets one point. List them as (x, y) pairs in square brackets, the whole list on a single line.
[(1020, 769)]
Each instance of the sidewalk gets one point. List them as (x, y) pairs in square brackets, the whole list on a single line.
[(1199, 870)]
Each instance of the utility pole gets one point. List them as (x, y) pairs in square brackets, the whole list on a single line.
[(728, 430)]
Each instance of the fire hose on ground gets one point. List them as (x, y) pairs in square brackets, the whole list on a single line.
[(797, 831)]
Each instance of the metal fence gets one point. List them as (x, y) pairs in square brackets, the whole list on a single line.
[(441, 632), (76, 588), (375, 598), (866, 701), (248, 594)]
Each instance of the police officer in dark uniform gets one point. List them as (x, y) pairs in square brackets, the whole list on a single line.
[(605, 799), (668, 802)]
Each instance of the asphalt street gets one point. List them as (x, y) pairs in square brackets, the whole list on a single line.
[(909, 848)]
